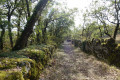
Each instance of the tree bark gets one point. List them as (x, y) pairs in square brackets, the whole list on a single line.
[(38, 38), (10, 31), (44, 31), (18, 27), (28, 10), (18, 30), (38, 35), (116, 30), (100, 31), (117, 17), (1, 38), (22, 41)]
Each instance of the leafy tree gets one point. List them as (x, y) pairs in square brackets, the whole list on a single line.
[(22, 41), (10, 6), (108, 14)]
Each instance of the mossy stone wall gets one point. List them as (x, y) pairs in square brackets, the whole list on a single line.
[(104, 49), (26, 64)]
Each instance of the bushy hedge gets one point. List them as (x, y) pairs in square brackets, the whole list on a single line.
[(104, 49), (25, 64)]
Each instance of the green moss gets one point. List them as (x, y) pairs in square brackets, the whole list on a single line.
[(5, 75), (2, 75), (118, 46), (8, 63), (30, 60), (103, 43), (12, 55), (15, 76)]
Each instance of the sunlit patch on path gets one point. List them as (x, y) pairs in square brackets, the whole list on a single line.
[(70, 63)]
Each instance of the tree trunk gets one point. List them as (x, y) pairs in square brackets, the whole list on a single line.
[(117, 17), (44, 35), (38, 38), (22, 41), (44, 31), (116, 30), (10, 31), (38, 35), (28, 10), (100, 32), (9, 14), (18, 28), (2, 36), (18, 32), (106, 30)]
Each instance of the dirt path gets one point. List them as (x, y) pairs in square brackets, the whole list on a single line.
[(72, 64)]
